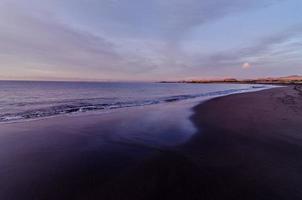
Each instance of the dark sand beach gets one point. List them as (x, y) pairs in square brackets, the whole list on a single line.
[(248, 146)]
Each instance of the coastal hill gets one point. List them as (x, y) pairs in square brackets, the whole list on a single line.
[(294, 79)]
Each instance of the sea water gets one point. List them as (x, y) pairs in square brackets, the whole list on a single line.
[(23, 100)]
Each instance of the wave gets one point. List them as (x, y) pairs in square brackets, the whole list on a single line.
[(76, 106)]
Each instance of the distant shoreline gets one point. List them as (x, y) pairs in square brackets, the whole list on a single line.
[(289, 80)]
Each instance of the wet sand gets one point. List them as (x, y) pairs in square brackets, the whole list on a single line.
[(249, 146), (71, 157)]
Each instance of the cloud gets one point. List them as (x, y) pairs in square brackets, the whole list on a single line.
[(145, 18), (51, 41), (49, 46), (123, 39), (261, 52), (246, 65)]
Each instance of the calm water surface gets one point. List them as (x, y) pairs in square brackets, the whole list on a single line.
[(31, 100)]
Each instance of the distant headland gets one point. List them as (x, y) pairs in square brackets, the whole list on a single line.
[(294, 79)]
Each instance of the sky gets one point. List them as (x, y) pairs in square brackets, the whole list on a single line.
[(147, 40)]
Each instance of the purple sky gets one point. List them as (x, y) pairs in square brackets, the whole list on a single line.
[(149, 39)]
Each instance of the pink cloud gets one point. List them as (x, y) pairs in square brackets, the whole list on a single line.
[(246, 65)]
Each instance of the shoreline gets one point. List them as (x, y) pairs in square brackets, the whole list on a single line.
[(233, 155), (248, 146), (31, 115)]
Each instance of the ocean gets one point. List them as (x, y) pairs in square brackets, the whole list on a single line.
[(26, 100)]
